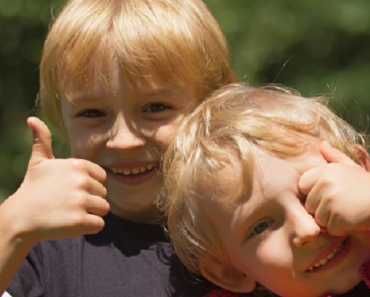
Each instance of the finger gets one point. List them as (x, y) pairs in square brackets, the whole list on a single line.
[(337, 227), (92, 224), (308, 180), (96, 188), (333, 155), (42, 146), (94, 170), (97, 172), (313, 199), (322, 215), (97, 206)]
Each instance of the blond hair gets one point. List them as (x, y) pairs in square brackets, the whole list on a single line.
[(173, 41), (237, 118)]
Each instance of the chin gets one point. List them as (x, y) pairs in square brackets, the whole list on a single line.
[(342, 288)]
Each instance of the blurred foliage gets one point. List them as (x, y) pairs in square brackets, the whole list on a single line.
[(318, 47)]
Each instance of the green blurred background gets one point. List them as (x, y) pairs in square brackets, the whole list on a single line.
[(320, 47)]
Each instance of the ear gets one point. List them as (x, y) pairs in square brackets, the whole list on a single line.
[(363, 157), (226, 276)]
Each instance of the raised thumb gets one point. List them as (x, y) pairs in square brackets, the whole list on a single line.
[(333, 155), (41, 147)]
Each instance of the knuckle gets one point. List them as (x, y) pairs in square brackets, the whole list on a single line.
[(335, 209), (82, 181), (81, 200), (79, 218), (78, 164), (326, 180)]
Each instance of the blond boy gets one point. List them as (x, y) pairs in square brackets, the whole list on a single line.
[(256, 195), (116, 78)]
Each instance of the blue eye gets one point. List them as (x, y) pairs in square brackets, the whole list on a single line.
[(155, 107), (260, 227)]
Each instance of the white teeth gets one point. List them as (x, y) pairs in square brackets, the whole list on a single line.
[(133, 170), (322, 262)]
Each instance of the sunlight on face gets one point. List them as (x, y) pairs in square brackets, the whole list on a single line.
[(271, 238), (126, 130)]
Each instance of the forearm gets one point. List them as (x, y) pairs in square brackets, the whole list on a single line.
[(13, 248)]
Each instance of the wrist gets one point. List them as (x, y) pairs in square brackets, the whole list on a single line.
[(13, 227)]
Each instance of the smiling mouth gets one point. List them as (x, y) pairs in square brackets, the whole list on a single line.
[(133, 175), (331, 258), (134, 171)]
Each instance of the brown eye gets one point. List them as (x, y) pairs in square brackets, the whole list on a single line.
[(91, 113)]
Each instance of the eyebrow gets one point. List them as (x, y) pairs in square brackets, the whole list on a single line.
[(162, 91), (83, 97)]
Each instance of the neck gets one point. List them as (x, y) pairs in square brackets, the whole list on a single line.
[(148, 216)]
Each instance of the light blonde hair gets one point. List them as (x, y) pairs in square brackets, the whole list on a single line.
[(237, 119), (173, 41)]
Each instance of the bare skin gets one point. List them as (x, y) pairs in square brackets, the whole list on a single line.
[(58, 198), (338, 193)]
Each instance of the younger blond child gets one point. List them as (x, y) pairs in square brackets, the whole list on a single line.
[(266, 186)]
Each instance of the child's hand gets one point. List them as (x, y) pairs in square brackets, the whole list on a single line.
[(338, 194), (58, 198)]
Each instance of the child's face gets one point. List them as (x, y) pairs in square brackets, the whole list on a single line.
[(125, 131), (272, 239)]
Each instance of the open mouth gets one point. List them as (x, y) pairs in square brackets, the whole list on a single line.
[(333, 257)]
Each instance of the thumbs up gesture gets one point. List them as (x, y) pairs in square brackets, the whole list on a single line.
[(58, 198), (338, 193)]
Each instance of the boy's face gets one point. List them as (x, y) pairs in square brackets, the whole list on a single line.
[(273, 240), (125, 131)]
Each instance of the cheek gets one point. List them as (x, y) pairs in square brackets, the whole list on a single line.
[(273, 253), (84, 145), (164, 135)]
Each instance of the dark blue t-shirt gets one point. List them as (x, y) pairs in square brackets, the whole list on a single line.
[(126, 259)]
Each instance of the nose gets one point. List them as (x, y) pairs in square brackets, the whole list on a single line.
[(124, 135), (304, 227)]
